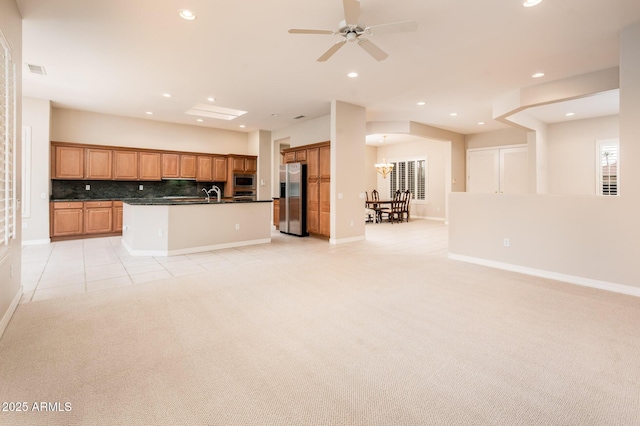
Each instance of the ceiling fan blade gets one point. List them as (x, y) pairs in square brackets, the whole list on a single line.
[(373, 50), (302, 31), (396, 27), (351, 11), (333, 49)]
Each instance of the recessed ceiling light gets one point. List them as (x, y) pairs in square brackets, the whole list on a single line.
[(480, 123), (199, 120), (149, 113), (453, 114), (422, 103), (531, 3), (166, 95), (274, 114), (352, 74), (569, 114), (186, 14), (538, 75), (243, 126), (211, 99)]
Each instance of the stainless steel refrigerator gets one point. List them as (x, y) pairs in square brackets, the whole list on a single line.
[(293, 200)]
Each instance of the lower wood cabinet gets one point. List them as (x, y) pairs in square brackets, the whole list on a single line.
[(77, 219), (276, 213)]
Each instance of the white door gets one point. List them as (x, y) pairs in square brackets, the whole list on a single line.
[(483, 171), (514, 170)]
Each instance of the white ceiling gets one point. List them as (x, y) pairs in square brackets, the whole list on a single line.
[(120, 56)]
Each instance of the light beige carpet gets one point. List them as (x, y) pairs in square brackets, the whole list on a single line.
[(362, 334)]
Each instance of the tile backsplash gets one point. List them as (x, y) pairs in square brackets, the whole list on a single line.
[(120, 190)]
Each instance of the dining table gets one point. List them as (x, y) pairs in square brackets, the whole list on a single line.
[(376, 206)]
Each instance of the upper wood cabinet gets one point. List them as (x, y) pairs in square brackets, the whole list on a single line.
[(219, 169), (99, 164), (150, 166), (170, 165), (68, 162), (188, 166), (205, 168), (243, 163), (125, 165)]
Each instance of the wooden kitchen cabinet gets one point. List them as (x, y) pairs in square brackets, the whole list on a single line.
[(125, 165), (68, 162), (67, 219), (318, 159), (219, 169), (98, 217), (204, 172), (243, 163), (98, 164), (276, 213), (150, 166), (188, 166), (170, 165), (117, 216)]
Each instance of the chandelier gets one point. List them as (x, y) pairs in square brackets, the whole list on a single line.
[(384, 168)]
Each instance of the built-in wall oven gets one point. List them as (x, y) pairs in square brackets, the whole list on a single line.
[(244, 186)]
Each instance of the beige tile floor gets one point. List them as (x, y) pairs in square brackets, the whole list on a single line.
[(78, 266)]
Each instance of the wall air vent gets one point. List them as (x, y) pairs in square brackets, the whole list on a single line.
[(299, 117), (36, 69)]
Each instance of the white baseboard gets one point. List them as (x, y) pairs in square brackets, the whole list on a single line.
[(190, 250), (440, 219), (12, 308), (36, 242), (347, 240), (571, 279)]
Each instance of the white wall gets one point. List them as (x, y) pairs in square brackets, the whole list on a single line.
[(588, 240), (10, 267), (306, 132), (496, 138), (436, 154), (102, 129), (371, 175), (36, 115), (572, 153)]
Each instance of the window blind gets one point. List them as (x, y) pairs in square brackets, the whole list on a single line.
[(7, 147)]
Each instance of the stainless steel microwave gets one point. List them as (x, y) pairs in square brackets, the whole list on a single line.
[(244, 181)]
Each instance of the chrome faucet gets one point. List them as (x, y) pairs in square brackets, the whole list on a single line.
[(213, 189)]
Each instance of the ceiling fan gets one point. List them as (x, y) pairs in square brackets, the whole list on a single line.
[(351, 30)]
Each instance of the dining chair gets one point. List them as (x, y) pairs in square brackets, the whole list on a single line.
[(394, 214), (375, 196), (406, 205)]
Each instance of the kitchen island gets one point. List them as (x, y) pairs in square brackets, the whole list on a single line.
[(165, 227)]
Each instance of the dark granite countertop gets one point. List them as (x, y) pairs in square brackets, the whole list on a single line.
[(166, 201)]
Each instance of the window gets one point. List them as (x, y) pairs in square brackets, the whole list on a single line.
[(7, 147), (608, 167), (411, 175)]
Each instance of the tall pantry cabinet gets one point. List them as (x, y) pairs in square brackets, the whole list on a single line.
[(317, 157)]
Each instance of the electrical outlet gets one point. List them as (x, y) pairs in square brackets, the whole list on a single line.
[(507, 243), (140, 187), (160, 232), (87, 187), (237, 226), (24, 225)]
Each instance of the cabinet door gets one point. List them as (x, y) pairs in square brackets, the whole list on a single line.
[(325, 162), (69, 162), (289, 157), (188, 166), (125, 165), (99, 164), (150, 166), (251, 164), (117, 216), (170, 165), (219, 169), (301, 156), (313, 206), (325, 207), (205, 168), (313, 163), (98, 217), (237, 164), (276, 213), (66, 219)]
